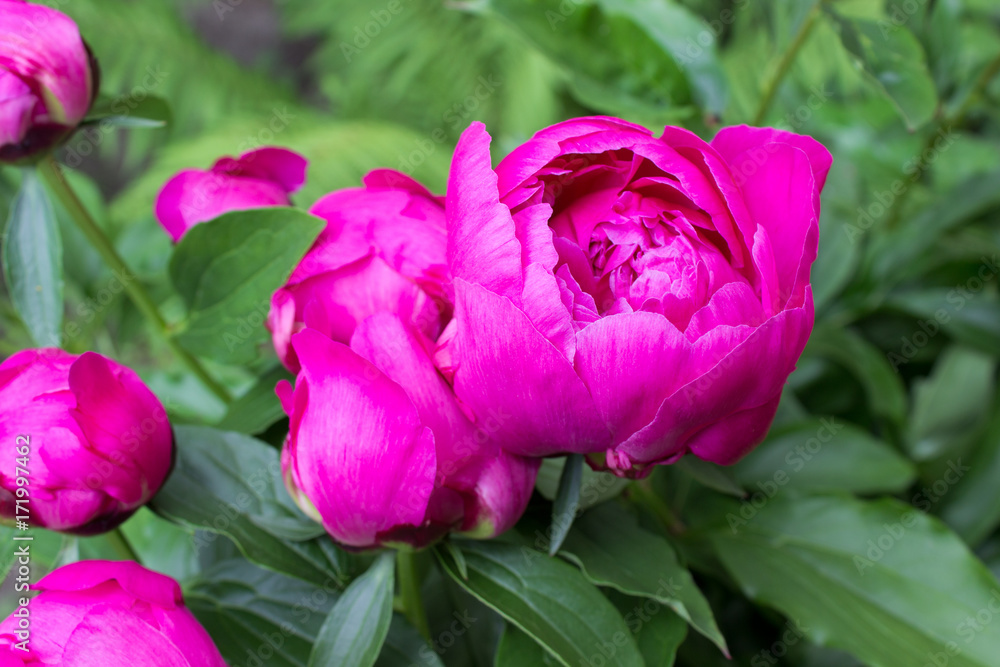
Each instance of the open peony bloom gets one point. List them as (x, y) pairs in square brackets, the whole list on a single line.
[(99, 442), (106, 614), (379, 451), (627, 296), (47, 79), (383, 250), (257, 179)]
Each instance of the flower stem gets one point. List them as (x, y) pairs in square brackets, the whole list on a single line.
[(409, 588), (771, 89), (121, 544), (642, 491), (53, 176)]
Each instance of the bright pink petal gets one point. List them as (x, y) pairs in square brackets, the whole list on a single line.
[(146, 585), (482, 245), (732, 142), (509, 368), (284, 168)]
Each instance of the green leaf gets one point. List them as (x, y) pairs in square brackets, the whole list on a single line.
[(612, 550), (894, 62), (824, 455), (256, 614), (885, 390), (711, 475), (32, 261), (972, 506), (356, 627), (567, 501), (259, 407), (950, 403), (896, 255), (518, 649), (147, 111), (548, 599), (969, 316), (878, 579), (231, 484), (595, 487), (657, 629), (635, 75), (680, 33), (404, 647), (161, 545), (227, 269)]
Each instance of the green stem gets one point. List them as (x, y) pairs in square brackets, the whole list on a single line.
[(121, 544), (409, 589), (945, 124), (771, 89), (53, 176)]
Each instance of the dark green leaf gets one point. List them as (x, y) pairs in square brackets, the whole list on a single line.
[(567, 501), (711, 475), (970, 316), (885, 391), (518, 649), (595, 487), (950, 403), (612, 550), (878, 579), (548, 599), (259, 407), (824, 455), (895, 62), (226, 270), (657, 629), (256, 614), (231, 484), (356, 627), (32, 262), (971, 504), (404, 647)]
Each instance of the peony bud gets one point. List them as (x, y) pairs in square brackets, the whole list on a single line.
[(99, 445), (47, 79), (379, 450), (257, 179), (106, 614)]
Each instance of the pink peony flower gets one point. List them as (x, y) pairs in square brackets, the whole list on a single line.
[(635, 296), (99, 442), (107, 614), (258, 179)]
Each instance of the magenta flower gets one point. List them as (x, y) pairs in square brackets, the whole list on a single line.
[(257, 179), (47, 79), (383, 250), (638, 296), (380, 452), (106, 614), (99, 442)]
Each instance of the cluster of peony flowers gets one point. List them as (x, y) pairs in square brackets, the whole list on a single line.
[(602, 291)]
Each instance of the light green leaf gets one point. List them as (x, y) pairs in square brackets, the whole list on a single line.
[(32, 261), (227, 269)]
